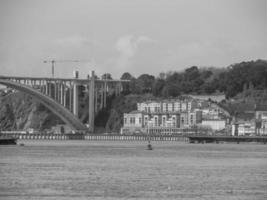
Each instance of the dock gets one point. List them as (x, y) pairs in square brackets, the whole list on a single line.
[(220, 139)]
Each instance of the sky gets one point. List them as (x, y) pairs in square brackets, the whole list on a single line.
[(117, 36)]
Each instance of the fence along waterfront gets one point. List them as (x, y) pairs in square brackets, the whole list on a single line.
[(94, 137)]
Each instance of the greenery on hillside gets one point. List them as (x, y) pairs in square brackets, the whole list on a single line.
[(231, 80)]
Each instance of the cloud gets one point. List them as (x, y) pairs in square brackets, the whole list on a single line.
[(127, 46)]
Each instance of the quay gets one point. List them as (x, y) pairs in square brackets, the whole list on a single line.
[(102, 137), (96, 137), (218, 139)]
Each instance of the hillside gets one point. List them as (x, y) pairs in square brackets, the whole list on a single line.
[(19, 111), (244, 84)]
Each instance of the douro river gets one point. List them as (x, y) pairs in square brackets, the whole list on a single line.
[(58, 170)]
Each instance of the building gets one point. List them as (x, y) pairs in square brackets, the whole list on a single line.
[(140, 122), (175, 115), (216, 98), (210, 114), (214, 124), (133, 122), (251, 121), (133, 119), (167, 106), (149, 107), (261, 120), (243, 128)]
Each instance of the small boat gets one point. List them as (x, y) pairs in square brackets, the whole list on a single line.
[(149, 146)]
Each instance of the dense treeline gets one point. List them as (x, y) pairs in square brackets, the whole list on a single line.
[(231, 80)]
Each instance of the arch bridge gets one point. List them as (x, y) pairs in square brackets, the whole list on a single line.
[(60, 95)]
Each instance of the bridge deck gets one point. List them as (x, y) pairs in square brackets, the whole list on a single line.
[(60, 79)]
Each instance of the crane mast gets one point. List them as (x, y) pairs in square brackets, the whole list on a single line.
[(53, 62)]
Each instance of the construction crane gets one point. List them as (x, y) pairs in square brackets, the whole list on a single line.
[(53, 62)]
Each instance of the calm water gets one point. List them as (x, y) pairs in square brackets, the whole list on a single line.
[(125, 170)]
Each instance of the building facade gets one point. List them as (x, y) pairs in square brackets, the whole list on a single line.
[(162, 115), (167, 106)]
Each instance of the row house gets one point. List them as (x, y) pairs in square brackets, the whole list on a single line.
[(141, 120), (162, 120), (167, 106), (133, 119)]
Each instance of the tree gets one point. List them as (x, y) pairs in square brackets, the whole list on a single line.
[(126, 76), (171, 90), (191, 73), (106, 76), (158, 87), (145, 83), (128, 87)]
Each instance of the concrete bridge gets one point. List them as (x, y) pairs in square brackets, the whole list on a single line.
[(60, 95)]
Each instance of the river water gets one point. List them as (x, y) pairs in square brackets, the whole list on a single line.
[(49, 170)]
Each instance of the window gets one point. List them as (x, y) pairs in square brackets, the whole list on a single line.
[(140, 120), (125, 120), (132, 120), (173, 121)]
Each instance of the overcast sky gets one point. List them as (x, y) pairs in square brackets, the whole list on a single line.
[(136, 36)]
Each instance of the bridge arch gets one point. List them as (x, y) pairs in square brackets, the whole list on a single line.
[(64, 114)]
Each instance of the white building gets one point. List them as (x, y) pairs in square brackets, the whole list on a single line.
[(215, 124), (243, 128), (167, 106), (133, 119)]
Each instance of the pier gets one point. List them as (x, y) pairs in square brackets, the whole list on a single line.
[(218, 139)]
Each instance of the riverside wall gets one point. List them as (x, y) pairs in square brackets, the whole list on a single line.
[(96, 137)]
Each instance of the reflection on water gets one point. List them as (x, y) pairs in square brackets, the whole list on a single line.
[(126, 170)]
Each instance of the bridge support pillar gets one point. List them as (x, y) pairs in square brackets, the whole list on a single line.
[(75, 100), (105, 94), (75, 94), (102, 97), (61, 93), (91, 102)]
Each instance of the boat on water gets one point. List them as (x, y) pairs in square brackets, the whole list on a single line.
[(8, 140)]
